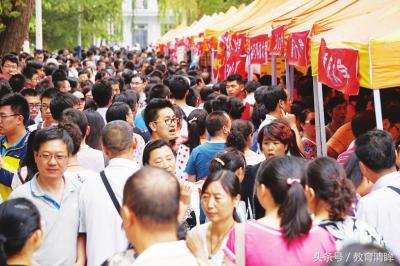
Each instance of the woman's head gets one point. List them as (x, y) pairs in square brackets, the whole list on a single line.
[(159, 153), (279, 184), (277, 138), (196, 127), (220, 195), (241, 135), (353, 172), (20, 226), (307, 121), (327, 185), (96, 124), (229, 159)]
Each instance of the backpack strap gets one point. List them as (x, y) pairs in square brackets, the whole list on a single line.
[(395, 189), (110, 192)]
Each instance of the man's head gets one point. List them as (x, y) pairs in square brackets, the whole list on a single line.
[(158, 91), (33, 99), (276, 99), (52, 149), (138, 82), (60, 80), (62, 101), (337, 107), (9, 66), (150, 203), (45, 100), (179, 86), (391, 118), (14, 113), (117, 139), (376, 152), (102, 93), (218, 123), (39, 55), (160, 119), (32, 76), (234, 86)]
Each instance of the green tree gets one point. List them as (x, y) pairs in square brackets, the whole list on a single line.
[(14, 20), (60, 22)]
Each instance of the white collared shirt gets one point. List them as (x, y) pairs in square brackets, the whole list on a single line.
[(98, 216), (91, 158), (166, 254), (381, 209)]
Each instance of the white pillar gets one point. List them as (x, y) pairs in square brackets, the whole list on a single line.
[(317, 120), (378, 109), (212, 65), (273, 70), (38, 21)]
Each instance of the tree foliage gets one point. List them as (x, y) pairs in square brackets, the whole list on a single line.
[(60, 22), (188, 11)]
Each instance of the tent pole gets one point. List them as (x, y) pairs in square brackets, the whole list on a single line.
[(292, 81), (287, 75), (249, 72), (378, 109), (322, 119), (273, 70), (317, 120), (212, 65)]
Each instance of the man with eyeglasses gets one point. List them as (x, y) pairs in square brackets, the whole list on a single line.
[(33, 99), (9, 66), (45, 113), (56, 198), (161, 121), (14, 113)]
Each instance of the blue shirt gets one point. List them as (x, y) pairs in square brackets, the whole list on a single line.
[(139, 123), (200, 158)]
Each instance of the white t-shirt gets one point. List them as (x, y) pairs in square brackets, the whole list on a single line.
[(98, 217)]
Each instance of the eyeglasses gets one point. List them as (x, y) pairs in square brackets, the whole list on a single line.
[(82, 99), (44, 107), (3, 116), (9, 66), (48, 156), (311, 122), (169, 121), (136, 83), (35, 105)]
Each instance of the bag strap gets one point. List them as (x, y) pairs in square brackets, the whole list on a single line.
[(239, 244), (395, 189), (110, 192)]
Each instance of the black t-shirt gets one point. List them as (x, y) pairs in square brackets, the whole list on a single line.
[(248, 192)]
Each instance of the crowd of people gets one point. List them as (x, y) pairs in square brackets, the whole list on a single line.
[(126, 158)]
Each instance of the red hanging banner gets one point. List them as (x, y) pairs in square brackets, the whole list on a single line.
[(297, 52), (338, 68), (277, 41), (237, 44), (235, 65), (258, 49)]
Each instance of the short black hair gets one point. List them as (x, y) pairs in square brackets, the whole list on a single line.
[(117, 136), (102, 93), (60, 102), (335, 101), (252, 86), (272, 96), (235, 77), (129, 97), (49, 93), (17, 82), (215, 121), (179, 86), (117, 111), (151, 146), (150, 113), (29, 92), (17, 103), (28, 72), (376, 150), (158, 91), (75, 133), (9, 57), (52, 133), (362, 122)]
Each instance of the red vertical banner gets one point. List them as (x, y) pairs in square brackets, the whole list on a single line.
[(162, 49), (297, 52), (258, 49), (338, 68), (235, 65), (277, 41), (237, 44), (172, 52)]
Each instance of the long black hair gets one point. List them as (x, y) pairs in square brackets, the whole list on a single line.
[(196, 127), (283, 176), (19, 218)]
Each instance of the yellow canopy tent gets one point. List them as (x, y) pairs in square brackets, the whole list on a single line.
[(170, 35), (371, 27)]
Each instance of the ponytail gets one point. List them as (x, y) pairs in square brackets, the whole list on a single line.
[(236, 140), (295, 219), (196, 127), (283, 176)]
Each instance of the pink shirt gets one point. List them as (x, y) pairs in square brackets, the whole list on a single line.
[(267, 246)]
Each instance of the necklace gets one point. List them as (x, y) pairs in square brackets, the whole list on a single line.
[(219, 241)]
